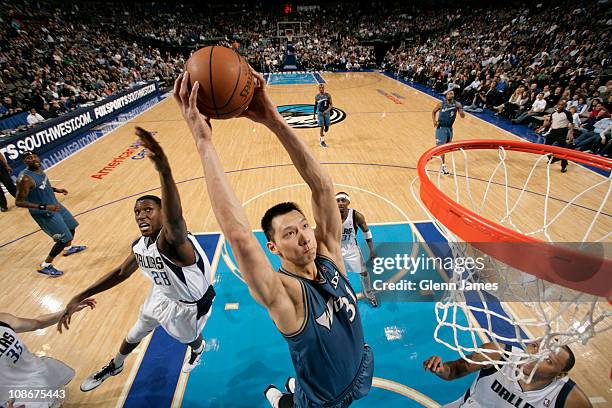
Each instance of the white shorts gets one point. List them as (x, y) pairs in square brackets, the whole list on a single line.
[(178, 319), (51, 375), (353, 260)]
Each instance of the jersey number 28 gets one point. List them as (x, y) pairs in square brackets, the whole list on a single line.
[(161, 278)]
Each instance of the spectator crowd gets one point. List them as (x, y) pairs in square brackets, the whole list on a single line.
[(518, 60)]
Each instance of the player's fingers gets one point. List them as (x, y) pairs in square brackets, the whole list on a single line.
[(177, 88), (261, 82), (184, 92), (193, 97)]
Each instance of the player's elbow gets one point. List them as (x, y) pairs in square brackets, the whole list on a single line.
[(240, 239)]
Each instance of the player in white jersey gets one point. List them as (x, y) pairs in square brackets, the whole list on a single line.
[(550, 387), (351, 254), (181, 294), (27, 380)]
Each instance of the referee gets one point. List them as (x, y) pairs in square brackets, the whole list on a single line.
[(561, 130)]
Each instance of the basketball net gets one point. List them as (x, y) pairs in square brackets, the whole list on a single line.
[(562, 310)]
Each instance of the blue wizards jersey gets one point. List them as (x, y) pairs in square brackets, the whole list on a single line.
[(321, 102), (447, 114), (328, 350), (42, 193)]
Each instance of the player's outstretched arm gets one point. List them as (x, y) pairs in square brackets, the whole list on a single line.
[(108, 281), (174, 232), (324, 205), (452, 370), (21, 324), (367, 234), (264, 283)]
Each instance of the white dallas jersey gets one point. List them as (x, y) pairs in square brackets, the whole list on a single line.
[(21, 369), (493, 389), (349, 232), (183, 283)]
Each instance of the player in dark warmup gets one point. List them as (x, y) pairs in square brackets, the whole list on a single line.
[(322, 110), (181, 294), (310, 298), (34, 192), (443, 123)]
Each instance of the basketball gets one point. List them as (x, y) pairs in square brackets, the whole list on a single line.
[(226, 81)]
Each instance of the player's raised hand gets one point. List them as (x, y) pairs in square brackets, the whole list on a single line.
[(261, 109), (436, 366), (154, 150), (74, 306), (188, 102)]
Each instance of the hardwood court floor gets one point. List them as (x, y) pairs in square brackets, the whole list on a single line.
[(372, 154)]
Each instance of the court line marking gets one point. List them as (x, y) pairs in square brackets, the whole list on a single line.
[(404, 390), (482, 120), (161, 99), (181, 384), (127, 386), (2, 245)]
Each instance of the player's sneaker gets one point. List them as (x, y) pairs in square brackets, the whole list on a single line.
[(323, 144), (444, 170), (194, 359), (373, 301), (290, 385), (50, 271), (94, 380), (74, 249)]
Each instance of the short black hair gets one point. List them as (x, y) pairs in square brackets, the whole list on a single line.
[(273, 212), (153, 198), (342, 192), (570, 361)]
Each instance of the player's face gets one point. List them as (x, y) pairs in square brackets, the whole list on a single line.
[(550, 367), (321, 89), (148, 217), (343, 204), (450, 95), (294, 238), (32, 161)]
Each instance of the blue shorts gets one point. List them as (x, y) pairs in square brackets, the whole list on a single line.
[(358, 389), (444, 135), (57, 225), (323, 119)]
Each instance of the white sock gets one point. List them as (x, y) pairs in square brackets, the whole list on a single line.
[(119, 358), (45, 264), (274, 395), (199, 349), (291, 384)]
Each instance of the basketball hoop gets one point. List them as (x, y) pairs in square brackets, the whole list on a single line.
[(565, 287)]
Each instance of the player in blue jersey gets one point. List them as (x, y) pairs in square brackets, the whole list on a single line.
[(34, 192), (322, 109), (310, 298), (446, 113)]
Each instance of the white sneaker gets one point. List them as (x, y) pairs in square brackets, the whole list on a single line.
[(94, 380), (444, 170), (193, 360)]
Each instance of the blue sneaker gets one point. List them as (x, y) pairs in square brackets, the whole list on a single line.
[(50, 271), (74, 249)]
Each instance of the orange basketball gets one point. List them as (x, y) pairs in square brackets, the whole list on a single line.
[(226, 81)]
